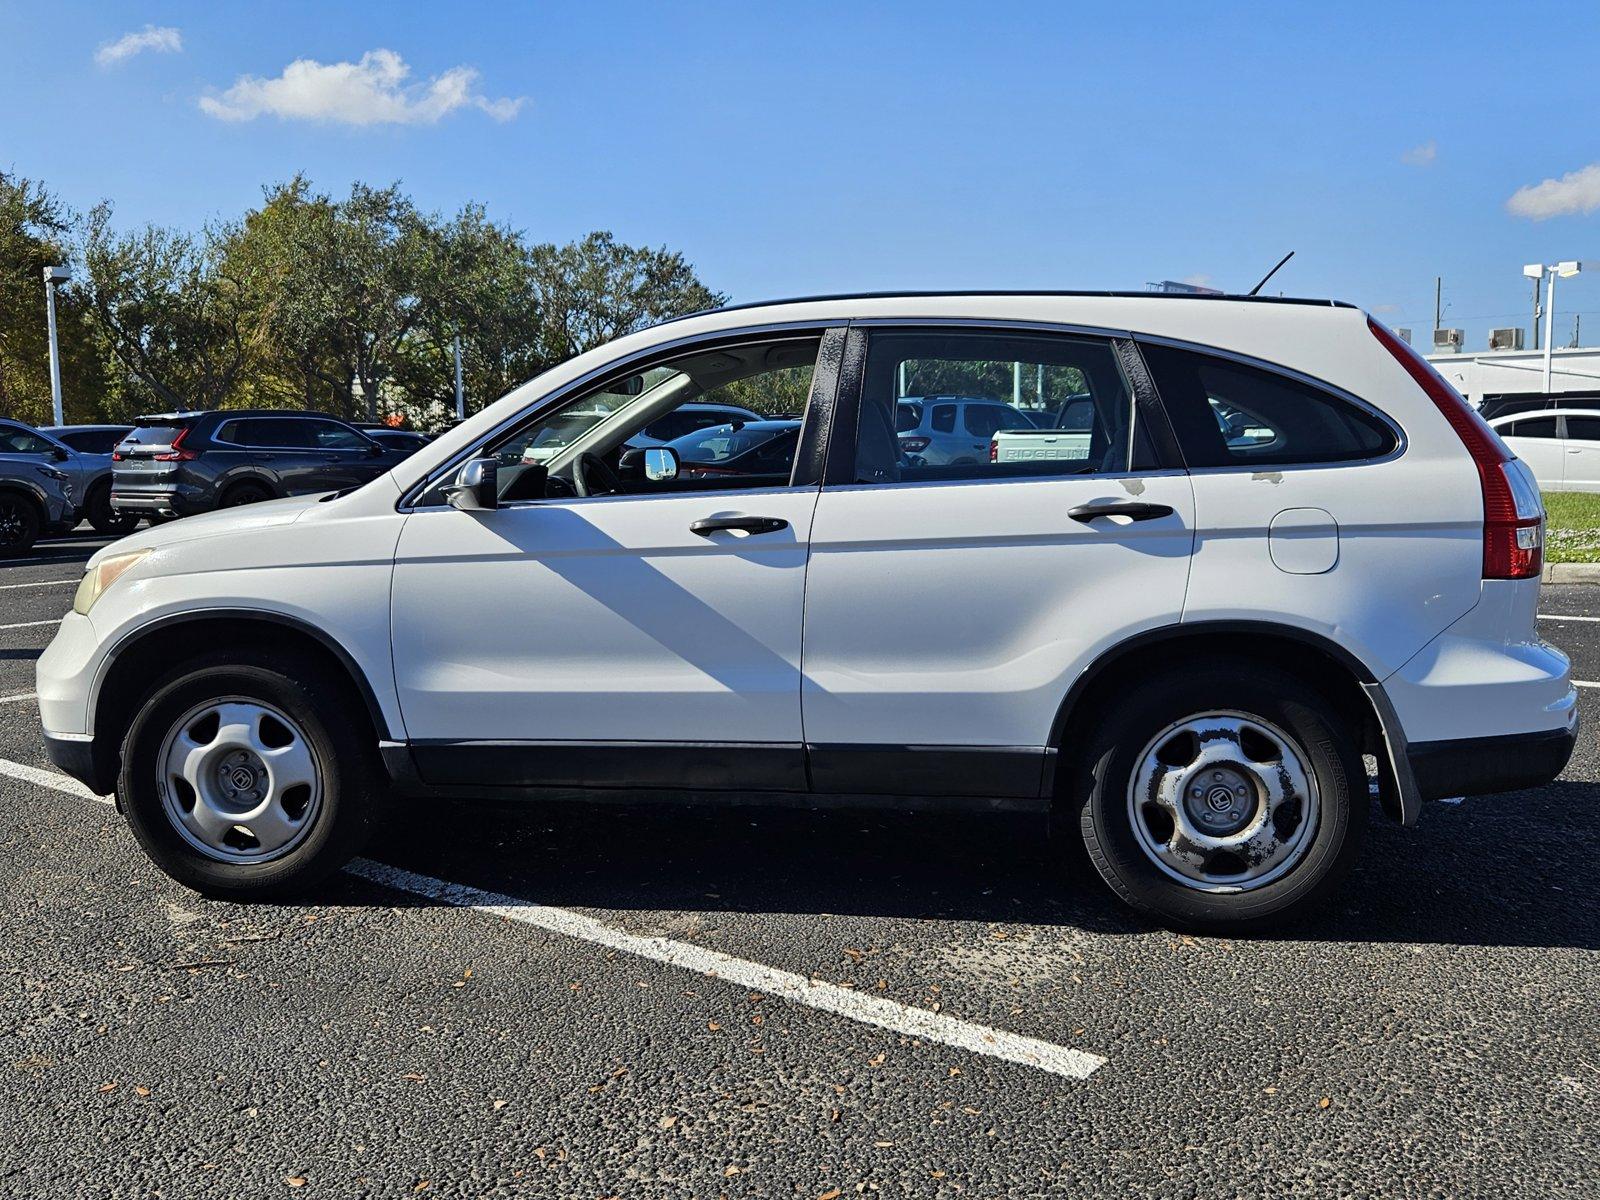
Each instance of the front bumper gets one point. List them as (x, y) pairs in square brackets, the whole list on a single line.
[(96, 771), (1476, 766)]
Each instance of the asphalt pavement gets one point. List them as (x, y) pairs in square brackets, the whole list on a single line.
[(602, 1001)]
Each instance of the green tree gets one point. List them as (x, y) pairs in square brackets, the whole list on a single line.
[(342, 283), (174, 317), (598, 289), (35, 233)]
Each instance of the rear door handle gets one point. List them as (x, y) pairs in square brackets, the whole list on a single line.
[(706, 526), (1134, 510)]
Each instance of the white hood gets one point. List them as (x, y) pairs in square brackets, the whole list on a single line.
[(223, 522)]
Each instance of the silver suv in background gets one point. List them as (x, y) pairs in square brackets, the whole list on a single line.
[(942, 431), (35, 499), (84, 453)]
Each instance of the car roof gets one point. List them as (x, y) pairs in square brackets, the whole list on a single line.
[(1531, 414)]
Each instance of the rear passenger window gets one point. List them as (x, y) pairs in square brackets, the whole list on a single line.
[(1583, 428), (1537, 427), (1228, 414), (998, 405)]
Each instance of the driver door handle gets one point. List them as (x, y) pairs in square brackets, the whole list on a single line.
[(1134, 510), (706, 526)]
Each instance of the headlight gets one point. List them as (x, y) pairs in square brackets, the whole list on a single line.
[(101, 576)]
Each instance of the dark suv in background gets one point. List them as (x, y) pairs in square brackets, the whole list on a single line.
[(180, 464)]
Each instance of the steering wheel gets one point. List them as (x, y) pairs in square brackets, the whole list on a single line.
[(593, 476)]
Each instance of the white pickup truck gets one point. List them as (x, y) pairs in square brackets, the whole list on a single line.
[(1066, 441)]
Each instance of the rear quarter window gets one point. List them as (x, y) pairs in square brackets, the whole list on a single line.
[(1227, 413)]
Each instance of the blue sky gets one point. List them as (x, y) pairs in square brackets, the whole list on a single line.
[(795, 148)]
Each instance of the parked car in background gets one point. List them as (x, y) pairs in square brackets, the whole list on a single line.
[(180, 464), (953, 430), (744, 448), (84, 453), (36, 499), (400, 441), (1185, 654), (1061, 434), (688, 418), (1561, 445)]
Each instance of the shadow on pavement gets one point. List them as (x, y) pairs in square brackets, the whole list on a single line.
[(1512, 870)]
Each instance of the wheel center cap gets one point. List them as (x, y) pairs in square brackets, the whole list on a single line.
[(244, 778), (1220, 800)]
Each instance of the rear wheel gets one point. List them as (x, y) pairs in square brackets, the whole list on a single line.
[(248, 777), (19, 523), (1227, 797), (244, 493), (105, 519)]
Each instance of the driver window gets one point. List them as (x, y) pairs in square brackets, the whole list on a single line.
[(731, 415)]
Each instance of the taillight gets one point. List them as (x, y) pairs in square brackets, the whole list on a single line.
[(1513, 513), (914, 445), (994, 449), (117, 456), (176, 452)]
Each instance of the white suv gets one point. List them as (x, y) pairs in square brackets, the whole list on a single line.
[(1182, 644)]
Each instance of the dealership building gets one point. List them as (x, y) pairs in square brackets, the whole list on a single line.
[(1499, 374)]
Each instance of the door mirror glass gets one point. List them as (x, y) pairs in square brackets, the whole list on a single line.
[(660, 464), (476, 488), (59, 454)]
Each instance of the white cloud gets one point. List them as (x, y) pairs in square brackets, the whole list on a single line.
[(1421, 156), (370, 92), (1577, 193), (162, 39)]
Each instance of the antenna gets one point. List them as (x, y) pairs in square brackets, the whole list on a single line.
[(1270, 274)]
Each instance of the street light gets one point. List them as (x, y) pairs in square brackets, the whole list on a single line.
[(1566, 270), (53, 276)]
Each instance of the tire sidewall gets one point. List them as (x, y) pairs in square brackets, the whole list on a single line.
[(32, 524), (1275, 697), (341, 822)]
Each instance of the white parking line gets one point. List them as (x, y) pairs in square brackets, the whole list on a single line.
[(1584, 683), (31, 624), (753, 976), (829, 997), (17, 697), (1556, 617), (49, 779), (8, 587)]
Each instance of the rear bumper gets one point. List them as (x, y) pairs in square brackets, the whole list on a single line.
[(1476, 766), (178, 500)]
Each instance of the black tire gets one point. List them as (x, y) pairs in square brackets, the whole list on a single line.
[(105, 519), (20, 523), (1137, 716), (244, 493), (332, 717)]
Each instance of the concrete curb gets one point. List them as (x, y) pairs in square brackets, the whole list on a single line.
[(1571, 573)]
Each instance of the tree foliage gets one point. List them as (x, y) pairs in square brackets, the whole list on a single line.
[(350, 304)]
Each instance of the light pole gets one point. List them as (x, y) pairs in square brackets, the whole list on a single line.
[(1534, 271), (53, 276)]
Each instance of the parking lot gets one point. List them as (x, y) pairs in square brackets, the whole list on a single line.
[(606, 1001)]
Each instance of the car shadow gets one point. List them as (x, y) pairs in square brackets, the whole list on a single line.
[(1512, 870)]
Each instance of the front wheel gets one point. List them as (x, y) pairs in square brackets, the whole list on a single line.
[(19, 523), (249, 777), (1226, 797)]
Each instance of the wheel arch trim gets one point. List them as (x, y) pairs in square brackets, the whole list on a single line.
[(1394, 763), (322, 637)]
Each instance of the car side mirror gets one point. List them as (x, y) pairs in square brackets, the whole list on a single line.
[(374, 450), (660, 464), (60, 455), (477, 486)]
